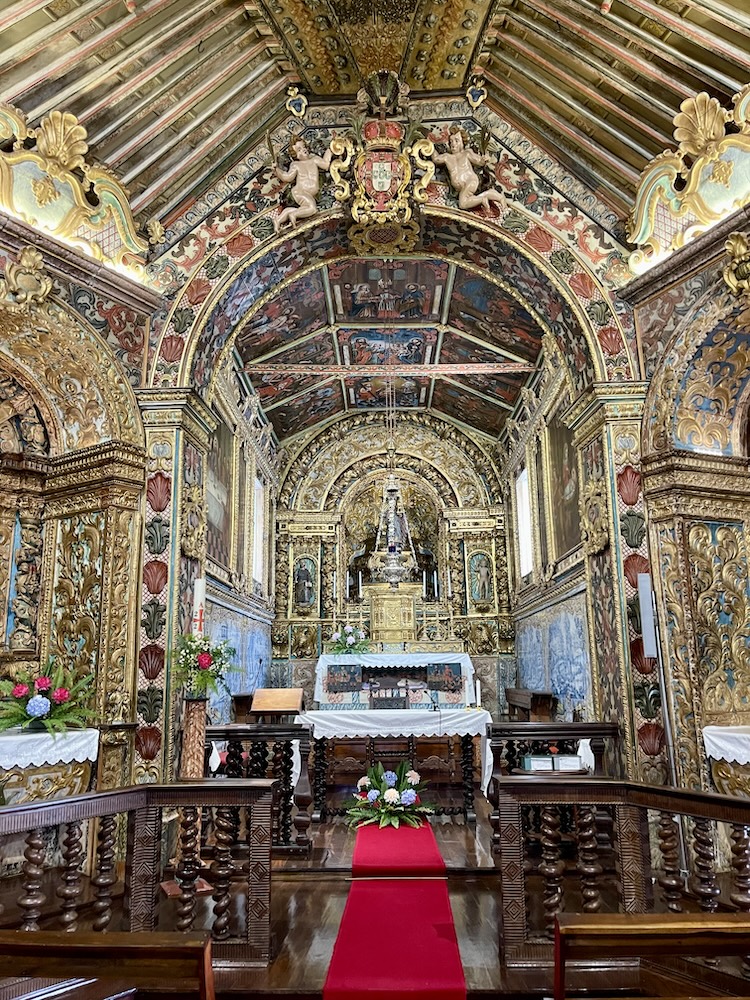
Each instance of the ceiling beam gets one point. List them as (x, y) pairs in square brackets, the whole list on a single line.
[(170, 139), (391, 371), (137, 50), (30, 45), (18, 11), (176, 111), (129, 86), (211, 142), (113, 33), (556, 69)]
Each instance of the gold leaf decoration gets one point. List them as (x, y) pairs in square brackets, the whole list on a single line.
[(62, 141), (699, 124)]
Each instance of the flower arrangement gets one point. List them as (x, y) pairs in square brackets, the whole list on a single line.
[(55, 701), (349, 640), (201, 665), (389, 798)]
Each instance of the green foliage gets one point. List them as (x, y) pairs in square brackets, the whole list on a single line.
[(349, 640), (201, 666), (56, 699), (380, 809)]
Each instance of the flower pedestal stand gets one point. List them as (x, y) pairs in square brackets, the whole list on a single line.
[(193, 738)]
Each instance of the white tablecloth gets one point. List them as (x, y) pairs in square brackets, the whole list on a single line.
[(25, 749), (731, 743), (405, 722)]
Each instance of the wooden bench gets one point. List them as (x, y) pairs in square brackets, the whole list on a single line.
[(153, 960), (644, 935)]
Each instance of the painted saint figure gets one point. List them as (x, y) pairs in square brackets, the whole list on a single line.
[(460, 163), (304, 175)]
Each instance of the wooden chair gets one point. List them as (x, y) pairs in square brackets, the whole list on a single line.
[(645, 935), (157, 961)]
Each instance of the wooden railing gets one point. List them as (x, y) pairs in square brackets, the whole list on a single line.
[(510, 741), (83, 890), (261, 751), (590, 844)]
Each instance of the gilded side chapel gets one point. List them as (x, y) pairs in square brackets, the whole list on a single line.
[(431, 320)]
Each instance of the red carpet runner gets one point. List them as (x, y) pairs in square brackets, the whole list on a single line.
[(397, 937)]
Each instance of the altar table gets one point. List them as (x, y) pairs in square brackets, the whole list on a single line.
[(466, 723), (728, 748), (351, 700)]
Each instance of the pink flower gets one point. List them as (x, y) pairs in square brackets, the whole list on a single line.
[(59, 695), (20, 690), (43, 683), (205, 660)]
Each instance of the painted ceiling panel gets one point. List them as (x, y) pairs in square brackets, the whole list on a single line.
[(480, 307), (272, 387), (296, 311), (379, 290), (310, 408), (453, 400)]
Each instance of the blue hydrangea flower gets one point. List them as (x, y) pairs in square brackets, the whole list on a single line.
[(408, 797), (38, 706), (390, 778), (373, 794)]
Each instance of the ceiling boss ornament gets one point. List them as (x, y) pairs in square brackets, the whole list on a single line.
[(382, 170)]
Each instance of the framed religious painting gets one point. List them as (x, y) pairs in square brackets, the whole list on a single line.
[(304, 585), (562, 490), (220, 495)]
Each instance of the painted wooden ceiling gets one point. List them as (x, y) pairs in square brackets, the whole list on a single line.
[(172, 93), (436, 321)]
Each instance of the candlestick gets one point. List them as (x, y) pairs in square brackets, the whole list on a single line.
[(450, 587), (435, 585), (467, 692), (348, 585), (424, 584), (359, 584), (334, 585), (478, 692), (199, 605)]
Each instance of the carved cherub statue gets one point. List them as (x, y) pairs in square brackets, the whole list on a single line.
[(460, 163), (304, 175)]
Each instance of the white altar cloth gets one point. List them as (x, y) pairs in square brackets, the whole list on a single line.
[(730, 743), (391, 659), (405, 722), (25, 749)]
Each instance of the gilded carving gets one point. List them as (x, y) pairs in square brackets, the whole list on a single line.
[(56, 157), (594, 518), (77, 591), (682, 194), (193, 534), (91, 399), (304, 644), (25, 283)]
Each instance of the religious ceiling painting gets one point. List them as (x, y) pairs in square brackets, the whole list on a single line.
[(468, 407), (383, 346), (274, 386), (367, 393), (296, 311), (388, 290), (309, 408), (478, 304)]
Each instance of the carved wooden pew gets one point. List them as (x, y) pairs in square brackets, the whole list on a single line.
[(153, 960), (645, 935)]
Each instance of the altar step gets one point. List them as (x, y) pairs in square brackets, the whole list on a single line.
[(68, 989)]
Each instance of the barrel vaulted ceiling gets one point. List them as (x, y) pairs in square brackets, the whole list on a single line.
[(171, 92)]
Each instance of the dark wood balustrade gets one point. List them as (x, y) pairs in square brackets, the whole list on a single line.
[(268, 750), (128, 832), (595, 845), (510, 741)]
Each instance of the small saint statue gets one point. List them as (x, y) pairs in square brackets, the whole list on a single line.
[(460, 163), (304, 175)]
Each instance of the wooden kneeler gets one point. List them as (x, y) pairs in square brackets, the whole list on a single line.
[(153, 960)]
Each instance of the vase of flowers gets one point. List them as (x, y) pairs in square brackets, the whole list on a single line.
[(349, 640), (54, 701), (201, 665), (389, 798)]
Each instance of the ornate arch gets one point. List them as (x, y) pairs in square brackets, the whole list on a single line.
[(695, 400), (65, 363), (438, 445), (243, 273), (416, 469)]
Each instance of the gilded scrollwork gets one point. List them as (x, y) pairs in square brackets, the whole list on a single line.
[(594, 517), (26, 284), (28, 579), (193, 534)]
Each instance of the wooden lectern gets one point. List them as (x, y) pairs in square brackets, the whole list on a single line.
[(268, 704)]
